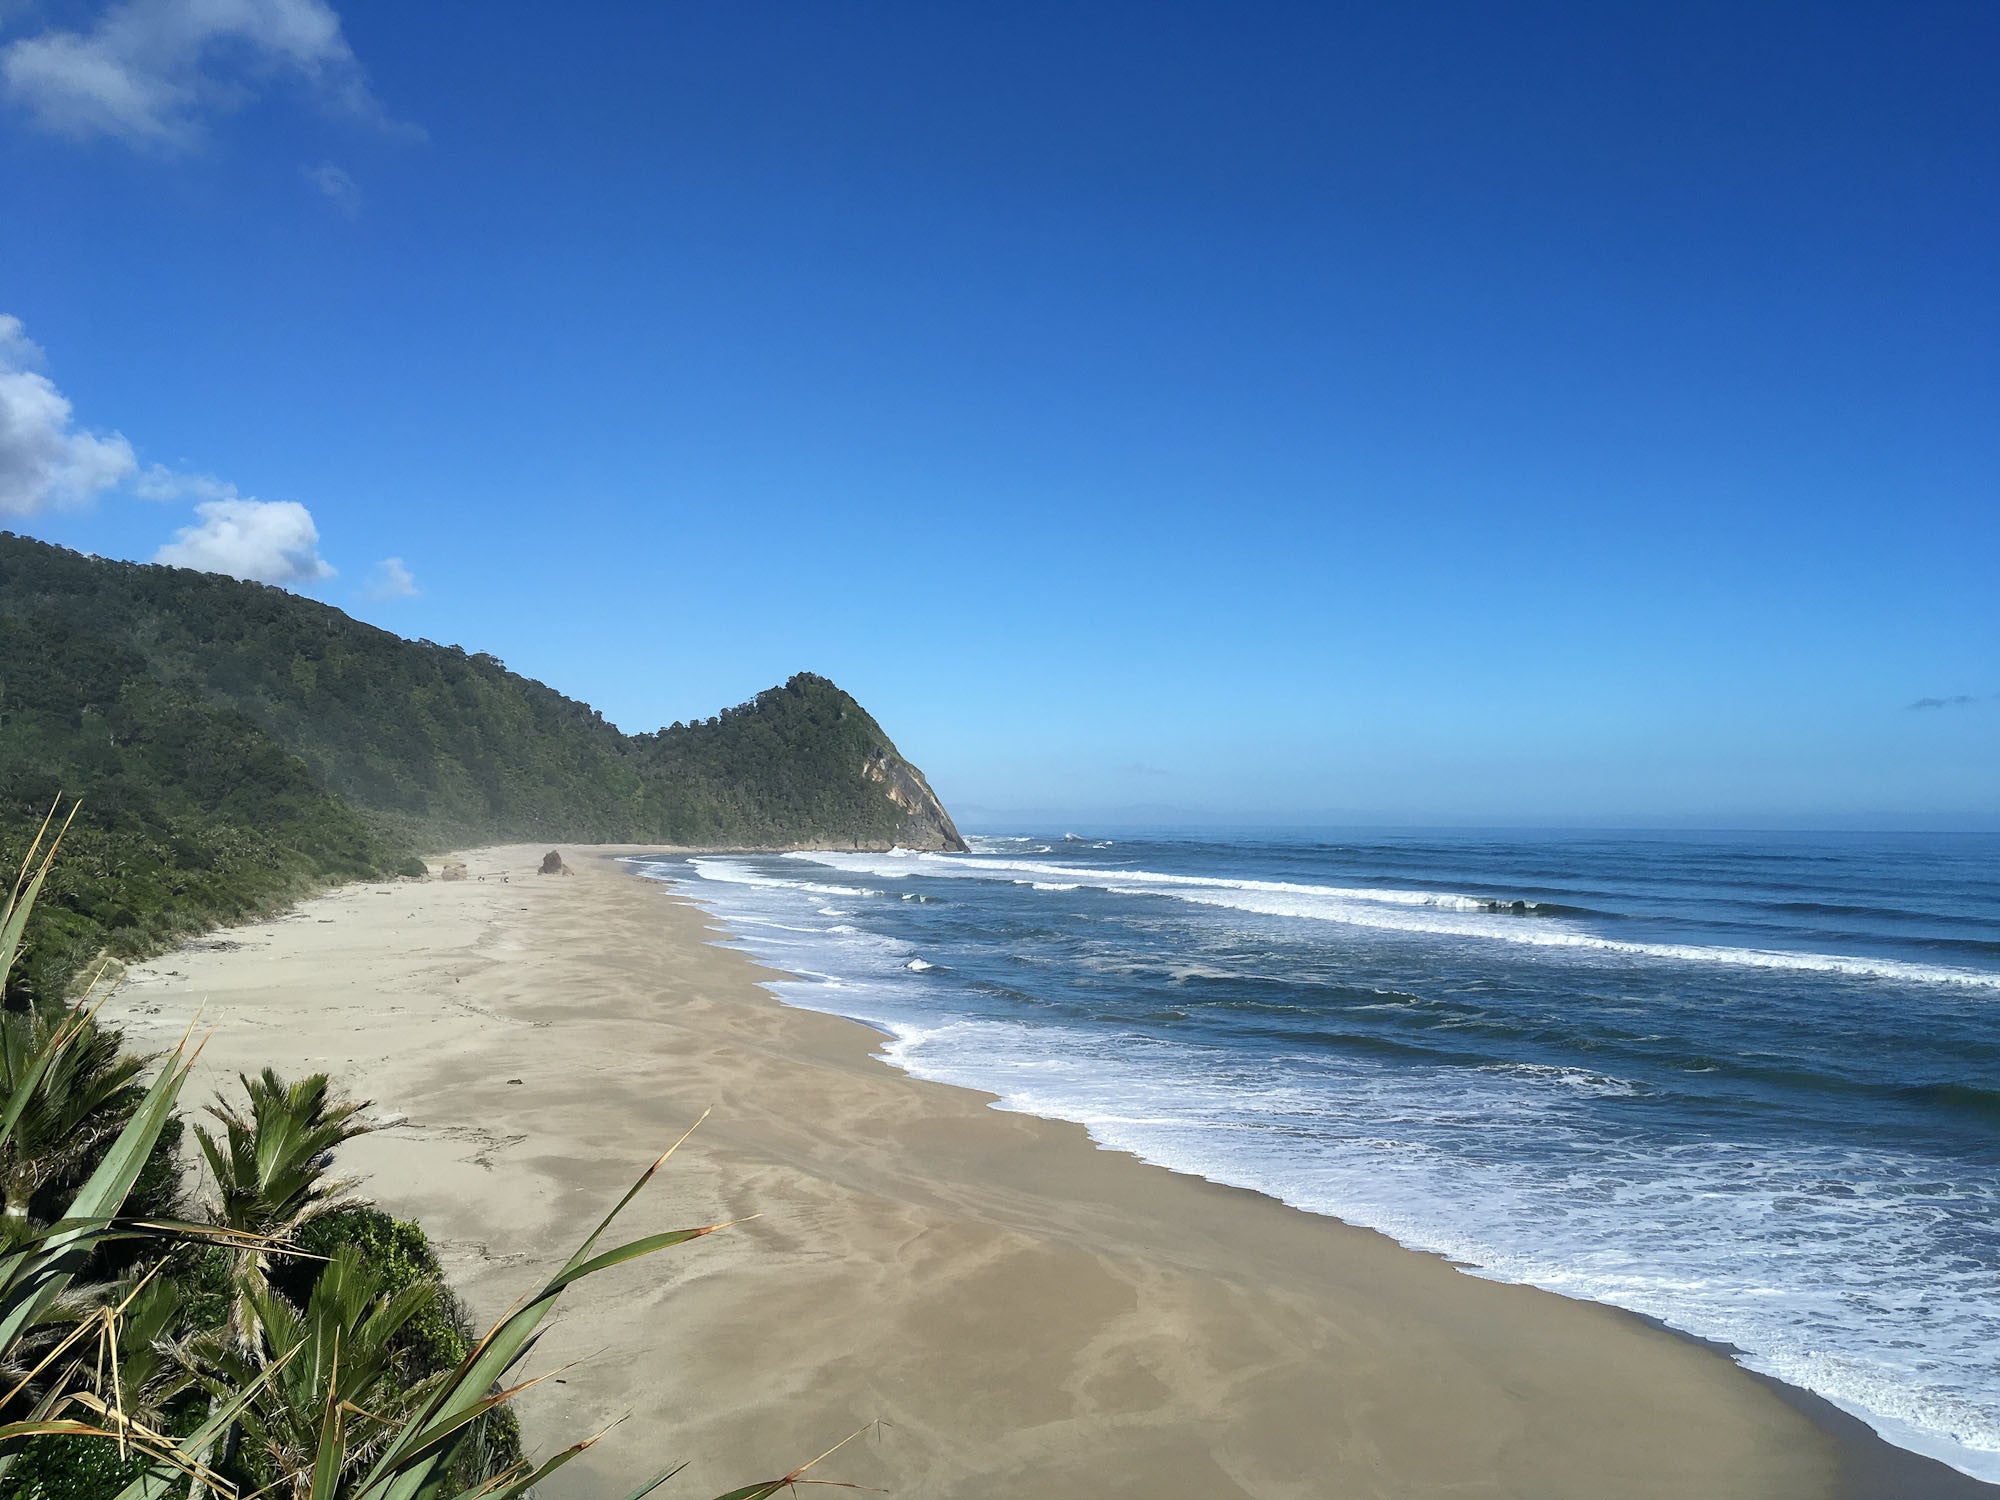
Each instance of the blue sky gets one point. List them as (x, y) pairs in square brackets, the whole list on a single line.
[(1426, 413)]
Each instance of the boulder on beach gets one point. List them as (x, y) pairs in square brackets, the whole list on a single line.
[(552, 864), (452, 871)]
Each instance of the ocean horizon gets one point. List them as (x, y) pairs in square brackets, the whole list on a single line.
[(1740, 1082)]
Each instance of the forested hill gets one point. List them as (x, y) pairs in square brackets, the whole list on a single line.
[(234, 745)]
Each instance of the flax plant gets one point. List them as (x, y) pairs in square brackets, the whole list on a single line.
[(39, 1264)]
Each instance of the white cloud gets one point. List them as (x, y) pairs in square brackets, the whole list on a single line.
[(45, 460), (150, 71), (157, 482), (338, 186), (392, 580), (17, 350), (270, 541)]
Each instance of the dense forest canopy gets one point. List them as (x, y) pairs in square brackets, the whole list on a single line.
[(235, 745)]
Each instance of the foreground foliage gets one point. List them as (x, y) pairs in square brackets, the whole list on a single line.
[(284, 1340)]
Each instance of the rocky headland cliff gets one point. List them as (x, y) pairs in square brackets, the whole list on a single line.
[(925, 824)]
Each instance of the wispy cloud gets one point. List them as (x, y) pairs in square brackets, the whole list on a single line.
[(337, 185), (156, 482), (46, 460), (271, 541), (1956, 700), (391, 579), (152, 73)]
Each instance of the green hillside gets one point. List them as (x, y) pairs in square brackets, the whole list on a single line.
[(235, 745)]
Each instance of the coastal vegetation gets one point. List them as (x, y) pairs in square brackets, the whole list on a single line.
[(236, 746), (263, 1332)]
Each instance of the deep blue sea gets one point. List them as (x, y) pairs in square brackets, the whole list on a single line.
[(1746, 1083)]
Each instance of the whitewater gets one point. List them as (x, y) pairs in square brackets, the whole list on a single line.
[(1746, 1084)]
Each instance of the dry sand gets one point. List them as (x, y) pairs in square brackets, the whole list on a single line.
[(1023, 1313)]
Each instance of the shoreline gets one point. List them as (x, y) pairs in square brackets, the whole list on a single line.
[(1026, 1310)]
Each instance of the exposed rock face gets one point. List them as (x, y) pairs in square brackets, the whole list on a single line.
[(552, 864), (925, 825)]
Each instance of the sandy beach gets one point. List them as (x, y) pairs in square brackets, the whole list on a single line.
[(1019, 1312)]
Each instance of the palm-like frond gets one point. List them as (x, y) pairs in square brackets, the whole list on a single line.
[(74, 1097), (41, 1265), (338, 1354), (141, 1365), (270, 1168), (270, 1165)]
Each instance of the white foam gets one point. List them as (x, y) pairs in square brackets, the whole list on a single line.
[(729, 872), (1441, 900), (1850, 1295), (1580, 1079), (987, 843), (1681, 1240), (1439, 913)]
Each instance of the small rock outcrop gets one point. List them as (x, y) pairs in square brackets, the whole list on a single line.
[(452, 871), (552, 864)]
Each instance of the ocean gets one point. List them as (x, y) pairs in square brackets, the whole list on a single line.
[(1747, 1084)]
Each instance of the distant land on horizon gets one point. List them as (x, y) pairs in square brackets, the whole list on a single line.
[(1165, 819)]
